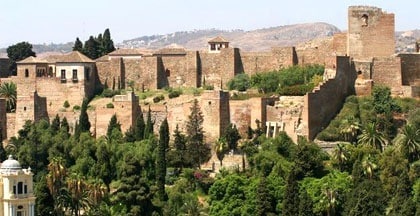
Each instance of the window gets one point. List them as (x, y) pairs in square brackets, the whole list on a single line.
[(14, 189), (63, 75), (50, 71), (365, 20), (212, 46), (87, 74), (26, 72), (19, 213), (74, 75), (25, 189), (20, 188)]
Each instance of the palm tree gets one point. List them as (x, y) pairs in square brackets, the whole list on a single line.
[(371, 136), (340, 154), (369, 166), (76, 187), (8, 91), (192, 207), (220, 149), (349, 128), (55, 180), (408, 142)]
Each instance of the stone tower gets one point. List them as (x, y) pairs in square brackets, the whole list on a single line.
[(16, 189), (215, 108), (370, 33)]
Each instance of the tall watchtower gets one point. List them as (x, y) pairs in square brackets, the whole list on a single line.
[(370, 33)]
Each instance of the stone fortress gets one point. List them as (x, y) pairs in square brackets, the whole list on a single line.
[(354, 61)]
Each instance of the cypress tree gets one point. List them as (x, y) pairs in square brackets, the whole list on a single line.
[(180, 149), (113, 83), (291, 195), (264, 202), (161, 159), (91, 48), (148, 130), (65, 125), (139, 128), (197, 150), (55, 124), (78, 45), (232, 136), (84, 124), (113, 123), (130, 135), (107, 43)]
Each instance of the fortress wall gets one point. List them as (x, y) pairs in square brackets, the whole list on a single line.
[(11, 125), (3, 119), (181, 70), (322, 104), (215, 108), (278, 58), (107, 70), (387, 71), (143, 71), (373, 38), (410, 68), (240, 115), (340, 43), (4, 67), (317, 53), (217, 68)]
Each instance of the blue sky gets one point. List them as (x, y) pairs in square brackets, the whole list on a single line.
[(46, 21)]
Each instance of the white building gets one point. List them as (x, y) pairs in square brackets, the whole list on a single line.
[(16, 189)]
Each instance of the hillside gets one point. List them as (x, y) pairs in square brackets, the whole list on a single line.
[(254, 40)]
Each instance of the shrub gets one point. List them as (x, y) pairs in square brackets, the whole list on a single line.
[(66, 104), (76, 107), (108, 93), (296, 89), (240, 82), (158, 98), (208, 87), (174, 93), (109, 105)]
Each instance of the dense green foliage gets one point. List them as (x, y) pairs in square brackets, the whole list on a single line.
[(96, 47), (295, 80), (18, 52), (240, 82), (140, 173)]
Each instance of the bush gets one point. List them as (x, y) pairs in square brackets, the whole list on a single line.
[(158, 98), (108, 93), (240, 82), (109, 105), (296, 89), (208, 87), (66, 104), (173, 93), (76, 107)]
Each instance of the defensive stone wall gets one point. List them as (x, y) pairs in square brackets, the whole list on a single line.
[(340, 43), (387, 71), (217, 68), (180, 70), (215, 108), (3, 119), (11, 124), (278, 58), (370, 32), (322, 104), (4, 67), (410, 68), (318, 51), (143, 71)]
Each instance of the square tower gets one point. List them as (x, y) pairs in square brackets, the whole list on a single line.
[(371, 33)]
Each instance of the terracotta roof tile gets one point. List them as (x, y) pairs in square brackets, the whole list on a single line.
[(130, 52), (218, 39), (31, 60), (74, 56)]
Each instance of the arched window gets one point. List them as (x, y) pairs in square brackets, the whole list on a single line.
[(365, 19)]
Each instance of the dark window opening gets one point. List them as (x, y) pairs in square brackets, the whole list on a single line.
[(50, 71), (19, 213), (26, 73), (212, 46), (87, 74), (14, 189), (24, 108), (365, 19), (63, 75), (25, 189), (20, 188), (168, 72), (74, 75)]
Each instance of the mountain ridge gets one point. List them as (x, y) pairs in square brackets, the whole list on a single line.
[(252, 40)]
